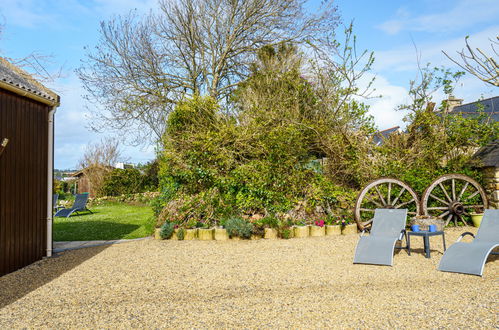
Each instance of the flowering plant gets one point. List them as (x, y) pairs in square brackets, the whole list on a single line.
[(319, 222)]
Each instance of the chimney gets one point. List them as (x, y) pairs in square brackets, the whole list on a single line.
[(452, 102)]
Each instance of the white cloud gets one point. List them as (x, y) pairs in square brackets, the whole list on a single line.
[(23, 13), (383, 108), (466, 13), (404, 58)]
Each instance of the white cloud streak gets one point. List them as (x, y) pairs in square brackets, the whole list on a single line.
[(465, 14)]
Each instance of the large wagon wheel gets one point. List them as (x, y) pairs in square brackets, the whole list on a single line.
[(384, 193), (452, 197)]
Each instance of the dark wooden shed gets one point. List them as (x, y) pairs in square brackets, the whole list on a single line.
[(26, 165)]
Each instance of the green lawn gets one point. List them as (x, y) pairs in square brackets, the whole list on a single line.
[(109, 221)]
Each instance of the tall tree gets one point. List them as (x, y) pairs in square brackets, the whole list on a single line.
[(143, 66)]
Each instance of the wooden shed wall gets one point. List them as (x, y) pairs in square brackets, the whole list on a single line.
[(23, 181)]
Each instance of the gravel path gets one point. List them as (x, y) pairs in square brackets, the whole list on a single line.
[(298, 283)]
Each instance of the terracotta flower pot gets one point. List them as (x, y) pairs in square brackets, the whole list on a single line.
[(205, 234), (317, 231), (476, 218), (270, 233), (190, 234), (302, 231), (333, 230), (349, 229), (221, 234)]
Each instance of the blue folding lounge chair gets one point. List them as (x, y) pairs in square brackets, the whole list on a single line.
[(80, 204), (470, 258), (388, 227)]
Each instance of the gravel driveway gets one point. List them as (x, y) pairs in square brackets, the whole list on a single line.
[(297, 283)]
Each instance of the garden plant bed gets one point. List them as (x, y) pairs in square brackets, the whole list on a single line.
[(220, 234), (299, 283)]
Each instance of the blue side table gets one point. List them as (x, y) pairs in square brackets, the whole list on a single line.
[(426, 239)]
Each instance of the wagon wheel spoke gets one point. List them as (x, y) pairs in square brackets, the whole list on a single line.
[(399, 195), (412, 213), (449, 218), (453, 189), (460, 217), (468, 206), (438, 199), (463, 190), (380, 196), (388, 197), (374, 202), (367, 210), (405, 203), (444, 214), (445, 191), (472, 195), (438, 208), (367, 223)]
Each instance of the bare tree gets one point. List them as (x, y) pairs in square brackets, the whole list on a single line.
[(483, 66), (98, 161), (143, 66)]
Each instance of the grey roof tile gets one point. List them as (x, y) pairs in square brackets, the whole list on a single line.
[(15, 76)]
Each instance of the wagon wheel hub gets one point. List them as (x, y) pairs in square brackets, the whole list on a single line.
[(457, 208)]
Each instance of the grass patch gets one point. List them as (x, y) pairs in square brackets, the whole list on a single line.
[(109, 221)]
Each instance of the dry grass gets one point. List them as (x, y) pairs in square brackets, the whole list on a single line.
[(298, 283)]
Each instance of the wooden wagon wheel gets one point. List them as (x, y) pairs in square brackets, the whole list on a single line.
[(451, 197), (384, 193)]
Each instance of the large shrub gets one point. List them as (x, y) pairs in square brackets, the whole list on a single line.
[(259, 157), (122, 182)]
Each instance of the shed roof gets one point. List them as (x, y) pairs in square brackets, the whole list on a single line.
[(23, 83)]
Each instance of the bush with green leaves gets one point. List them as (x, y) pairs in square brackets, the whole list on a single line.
[(166, 230), (122, 182), (238, 227)]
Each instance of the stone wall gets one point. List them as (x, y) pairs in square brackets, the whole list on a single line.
[(491, 182)]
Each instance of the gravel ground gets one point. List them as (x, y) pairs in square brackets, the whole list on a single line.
[(297, 283)]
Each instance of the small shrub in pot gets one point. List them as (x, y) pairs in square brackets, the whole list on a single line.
[(238, 227), (166, 231)]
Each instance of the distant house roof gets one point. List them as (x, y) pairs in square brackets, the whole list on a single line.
[(20, 82), (380, 136), (489, 154), (489, 106)]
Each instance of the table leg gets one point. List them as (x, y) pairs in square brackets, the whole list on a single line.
[(427, 246), (443, 238)]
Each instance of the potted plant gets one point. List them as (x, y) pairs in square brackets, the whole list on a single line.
[(190, 230), (333, 226), (477, 215), (205, 233), (301, 229), (318, 229), (347, 227)]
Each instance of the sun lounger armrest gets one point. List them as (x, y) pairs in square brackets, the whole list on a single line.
[(402, 234), (464, 234)]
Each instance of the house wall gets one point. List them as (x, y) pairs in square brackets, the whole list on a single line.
[(23, 181), (491, 182)]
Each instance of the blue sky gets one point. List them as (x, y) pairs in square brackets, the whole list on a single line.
[(392, 29)]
